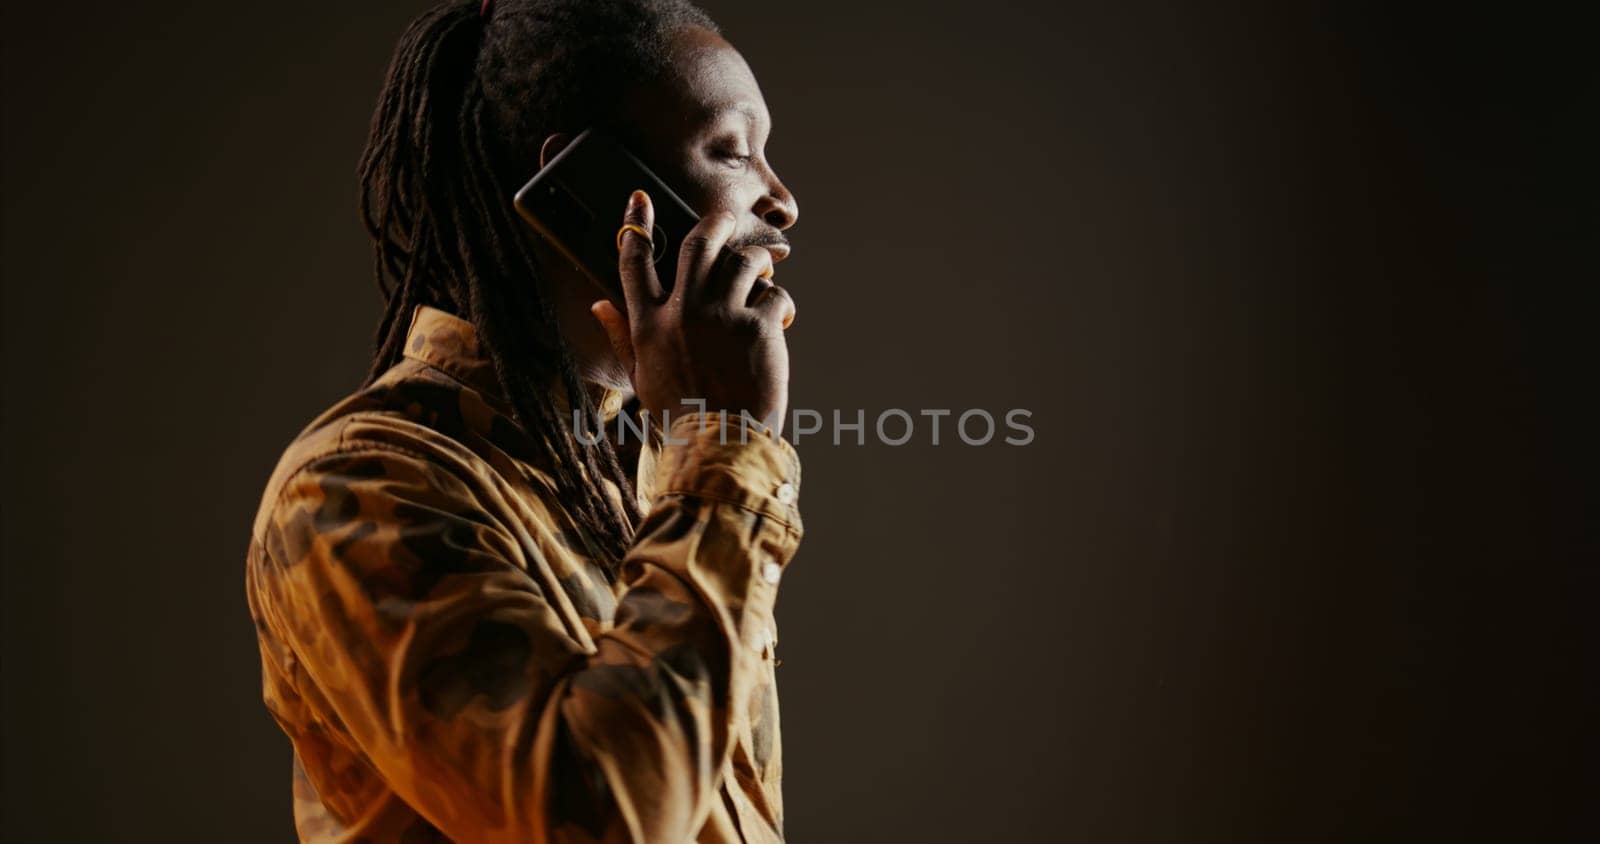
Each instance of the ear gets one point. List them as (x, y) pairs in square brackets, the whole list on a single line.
[(553, 146)]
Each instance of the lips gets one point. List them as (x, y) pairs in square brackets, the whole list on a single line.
[(779, 250)]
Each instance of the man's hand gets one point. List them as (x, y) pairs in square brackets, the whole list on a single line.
[(717, 335)]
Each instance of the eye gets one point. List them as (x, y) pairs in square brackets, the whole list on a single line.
[(731, 156)]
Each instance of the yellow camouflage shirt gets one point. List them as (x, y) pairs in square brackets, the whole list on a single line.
[(449, 661)]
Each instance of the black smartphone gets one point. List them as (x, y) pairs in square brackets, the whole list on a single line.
[(576, 202)]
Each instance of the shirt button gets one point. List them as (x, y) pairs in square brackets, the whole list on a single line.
[(786, 493), (771, 572)]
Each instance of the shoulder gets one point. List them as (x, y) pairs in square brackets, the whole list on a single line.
[(396, 434)]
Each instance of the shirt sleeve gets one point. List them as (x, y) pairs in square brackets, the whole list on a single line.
[(409, 608)]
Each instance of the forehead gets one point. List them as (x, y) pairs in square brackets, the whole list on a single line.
[(710, 74), (708, 80)]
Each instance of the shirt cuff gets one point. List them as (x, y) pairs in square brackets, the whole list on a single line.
[(731, 459)]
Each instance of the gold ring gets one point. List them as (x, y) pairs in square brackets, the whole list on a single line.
[(636, 229)]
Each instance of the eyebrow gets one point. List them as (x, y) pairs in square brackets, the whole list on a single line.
[(750, 112)]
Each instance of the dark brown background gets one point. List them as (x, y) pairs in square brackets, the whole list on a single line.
[(1302, 303)]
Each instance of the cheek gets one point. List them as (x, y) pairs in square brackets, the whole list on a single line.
[(709, 191), (709, 186), (715, 189)]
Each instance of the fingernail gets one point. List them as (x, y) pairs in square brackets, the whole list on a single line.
[(636, 201), (788, 321)]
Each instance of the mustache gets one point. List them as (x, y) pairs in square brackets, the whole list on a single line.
[(765, 238)]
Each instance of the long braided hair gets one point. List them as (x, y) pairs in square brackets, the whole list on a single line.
[(470, 94)]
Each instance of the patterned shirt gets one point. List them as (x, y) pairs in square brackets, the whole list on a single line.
[(450, 662)]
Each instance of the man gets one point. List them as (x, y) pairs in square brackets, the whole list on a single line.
[(474, 623)]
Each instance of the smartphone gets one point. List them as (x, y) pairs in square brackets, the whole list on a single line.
[(576, 202)]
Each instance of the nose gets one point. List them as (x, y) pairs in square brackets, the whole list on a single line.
[(777, 207)]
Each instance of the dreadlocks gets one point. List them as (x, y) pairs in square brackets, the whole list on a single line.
[(468, 98)]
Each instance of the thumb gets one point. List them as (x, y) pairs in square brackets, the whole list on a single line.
[(616, 328)]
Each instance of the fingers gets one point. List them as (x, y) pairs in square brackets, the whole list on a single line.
[(774, 305), (640, 286), (700, 252), (735, 275), (616, 328)]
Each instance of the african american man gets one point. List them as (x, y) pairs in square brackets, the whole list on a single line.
[(477, 623)]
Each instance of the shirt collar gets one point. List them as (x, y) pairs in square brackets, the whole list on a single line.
[(449, 343)]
